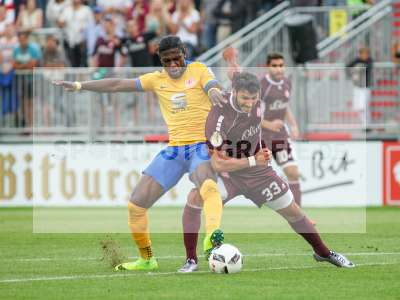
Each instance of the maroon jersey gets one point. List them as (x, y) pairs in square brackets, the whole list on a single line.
[(239, 135), (275, 101), (235, 132), (106, 51)]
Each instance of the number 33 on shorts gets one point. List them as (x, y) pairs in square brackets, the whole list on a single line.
[(272, 191)]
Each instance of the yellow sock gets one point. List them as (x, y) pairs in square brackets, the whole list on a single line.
[(212, 205), (138, 224)]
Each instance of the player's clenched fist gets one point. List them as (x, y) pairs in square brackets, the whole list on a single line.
[(68, 85), (263, 157)]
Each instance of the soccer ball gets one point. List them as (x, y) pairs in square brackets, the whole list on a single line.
[(225, 259)]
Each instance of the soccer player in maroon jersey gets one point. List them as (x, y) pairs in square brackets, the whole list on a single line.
[(234, 135), (275, 96)]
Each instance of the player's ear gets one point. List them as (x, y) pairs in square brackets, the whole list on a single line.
[(184, 51)]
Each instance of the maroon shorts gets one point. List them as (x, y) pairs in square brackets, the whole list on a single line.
[(261, 185), (281, 148)]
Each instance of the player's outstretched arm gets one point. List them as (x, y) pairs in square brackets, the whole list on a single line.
[(109, 85), (230, 55), (223, 163)]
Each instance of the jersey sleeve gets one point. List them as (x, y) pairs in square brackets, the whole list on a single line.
[(215, 130), (207, 77), (145, 82)]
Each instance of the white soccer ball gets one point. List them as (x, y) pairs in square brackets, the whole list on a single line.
[(225, 259)]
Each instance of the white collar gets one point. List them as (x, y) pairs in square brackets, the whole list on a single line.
[(272, 81)]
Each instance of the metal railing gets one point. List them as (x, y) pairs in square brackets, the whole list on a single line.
[(373, 29), (256, 29), (38, 107), (327, 99), (324, 98), (268, 33)]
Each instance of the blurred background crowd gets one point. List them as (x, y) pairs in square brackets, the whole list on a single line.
[(109, 33)]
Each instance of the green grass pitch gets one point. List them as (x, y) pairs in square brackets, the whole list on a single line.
[(277, 266)]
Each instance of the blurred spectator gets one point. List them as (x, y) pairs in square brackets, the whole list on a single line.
[(26, 57), (157, 18), (94, 30), (54, 9), (74, 20), (230, 17), (7, 44), (107, 46), (138, 11), (114, 6), (5, 19), (30, 17), (10, 6), (361, 74), (136, 46), (209, 22), (185, 23), (396, 53), (118, 9), (8, 95), (52, 55), (171, 6)]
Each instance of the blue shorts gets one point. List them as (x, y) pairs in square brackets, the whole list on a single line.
[(171, 163)]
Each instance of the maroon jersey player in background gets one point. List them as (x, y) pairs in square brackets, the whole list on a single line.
[(233, 134), (275, 96)]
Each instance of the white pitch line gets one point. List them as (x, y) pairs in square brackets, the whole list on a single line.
[(41, 259), (100, 276)]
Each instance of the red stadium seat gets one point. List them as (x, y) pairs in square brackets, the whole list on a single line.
[(386, 82), (327, 136), (384, 103), (386, 93), (376, 115), (345, 114)]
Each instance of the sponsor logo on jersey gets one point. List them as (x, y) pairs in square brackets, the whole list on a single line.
[(190, 83), (179, 102), (278, 105), (216, 139), (252, 131)]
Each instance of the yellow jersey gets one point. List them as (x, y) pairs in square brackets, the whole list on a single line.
[(184, 102)]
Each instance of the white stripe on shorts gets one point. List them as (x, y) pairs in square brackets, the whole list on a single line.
[(282, 202)]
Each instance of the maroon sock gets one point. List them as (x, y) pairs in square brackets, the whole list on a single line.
[(191, 220), (307, 230), (295, 188)]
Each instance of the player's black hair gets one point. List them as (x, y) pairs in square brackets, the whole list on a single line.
[(245, 81), (170, 42), (273, 56)]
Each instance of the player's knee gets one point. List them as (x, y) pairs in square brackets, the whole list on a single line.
[(292, 173), (292, 213), (139, 199), (194, 199), (203, 173)]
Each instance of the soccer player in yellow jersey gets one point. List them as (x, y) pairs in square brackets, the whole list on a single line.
[(184, 91)]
